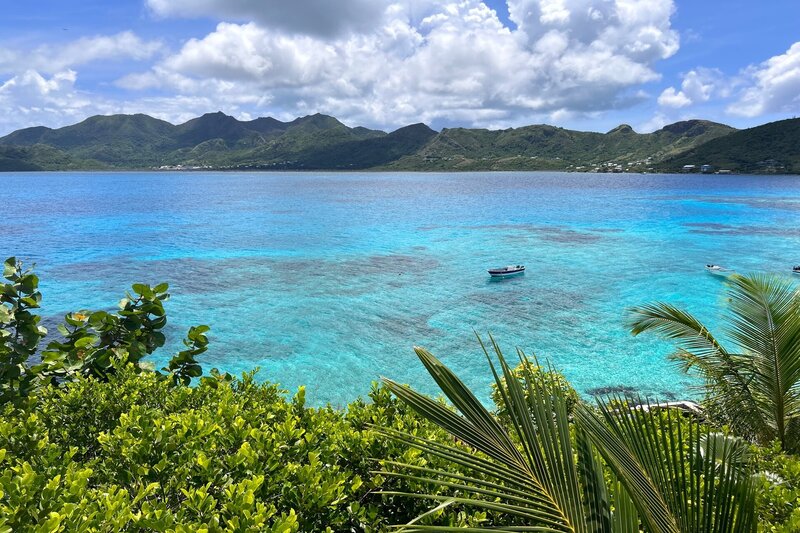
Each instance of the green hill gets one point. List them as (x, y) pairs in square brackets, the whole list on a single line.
[(773, 147), (214, 139), (219, 141), (276, 145), (41, 157), (370, 152), (550, 147), (212, 126)]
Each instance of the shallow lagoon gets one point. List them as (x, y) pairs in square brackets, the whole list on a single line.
[(329, 279)]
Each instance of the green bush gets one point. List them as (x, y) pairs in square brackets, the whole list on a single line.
[(136, 453), (93, 343), (92, 440), (779, 489), (546, 377)]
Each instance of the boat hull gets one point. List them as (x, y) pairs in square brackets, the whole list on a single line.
[(506, 274)]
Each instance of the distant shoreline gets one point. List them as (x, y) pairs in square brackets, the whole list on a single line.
[(220, 143), (382, 171)]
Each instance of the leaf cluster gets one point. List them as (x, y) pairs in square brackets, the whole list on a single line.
[(135, 453), (609, 469), (752, 385), (92, 343)]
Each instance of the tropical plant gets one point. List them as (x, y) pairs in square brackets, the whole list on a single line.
[(778, 493), (184, 366), (754, 387), (20, 331), (550, 377), (545, 473), (132, 452), (92, 343)]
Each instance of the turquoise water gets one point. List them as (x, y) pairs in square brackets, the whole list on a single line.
[(329, 279)]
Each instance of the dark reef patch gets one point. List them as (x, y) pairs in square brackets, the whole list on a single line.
[(404, 327), (202, 276), (788, 204), (567, 236), (559, 234), (623, 390), (780, 203), (185, 275), (716, 228), (514, 303)]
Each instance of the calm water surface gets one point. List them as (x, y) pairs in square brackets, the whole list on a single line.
[(329, 279)]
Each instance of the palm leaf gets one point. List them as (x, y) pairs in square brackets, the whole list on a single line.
[(542, 476), (765, 321), (677, 478), (728, 384), (756, 390), (536, 481)]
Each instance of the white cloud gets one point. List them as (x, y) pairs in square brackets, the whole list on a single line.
[(672, 98), (30, 98), (636, 29), (698, 86), (421, 60), (380, 63), (658, 121), (313, 17), (51, 58), (771, 87), (249, 53)]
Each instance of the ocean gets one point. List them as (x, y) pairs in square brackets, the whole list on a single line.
[(329, 279)]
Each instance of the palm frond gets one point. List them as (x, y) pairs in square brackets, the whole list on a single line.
[(546, 473), (532, 475), (678, 478), (765, 321), (728, 381), (625, 518)]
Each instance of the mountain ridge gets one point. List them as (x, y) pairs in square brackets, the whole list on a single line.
[(322, 142)]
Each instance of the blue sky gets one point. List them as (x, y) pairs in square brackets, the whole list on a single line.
[(582, 64)]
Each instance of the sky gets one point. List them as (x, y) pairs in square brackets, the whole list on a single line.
[(579, 64)]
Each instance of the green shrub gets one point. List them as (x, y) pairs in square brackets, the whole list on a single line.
[(778, 499), (92, 440), (93, 343), (546, 377), (134, 452)]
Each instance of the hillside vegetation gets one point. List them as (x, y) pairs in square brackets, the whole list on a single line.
[(773, 147), (320, 142), (41, 157), (549, 147)]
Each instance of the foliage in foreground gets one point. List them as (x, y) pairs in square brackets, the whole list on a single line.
[(754, 387), (778, 490), (92, 343), (134, 453), (91, 440), (547, 473)]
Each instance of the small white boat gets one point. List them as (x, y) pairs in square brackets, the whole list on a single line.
[(506, 271), (716, 270), (796, 269)]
